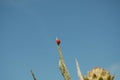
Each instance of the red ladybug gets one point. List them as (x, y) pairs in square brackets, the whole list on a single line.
[(58, 41)]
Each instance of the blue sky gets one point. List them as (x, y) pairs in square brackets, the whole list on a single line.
[(89, 31)]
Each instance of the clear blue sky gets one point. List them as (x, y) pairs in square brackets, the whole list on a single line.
[(89, 31)]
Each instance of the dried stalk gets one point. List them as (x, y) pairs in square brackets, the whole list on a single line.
[(62, 66), (78, 71)]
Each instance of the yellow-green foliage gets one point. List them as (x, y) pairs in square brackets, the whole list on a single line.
[(98, 74)]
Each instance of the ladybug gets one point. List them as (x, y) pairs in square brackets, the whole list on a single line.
[(58, 41)]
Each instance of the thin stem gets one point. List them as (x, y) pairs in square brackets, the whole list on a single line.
[(62, 66), (78, 70), (33, 75)]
